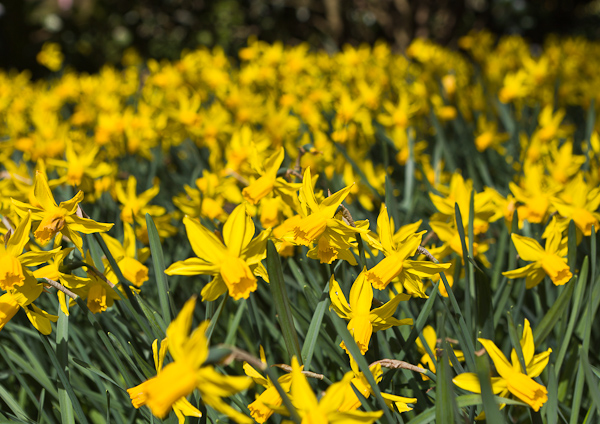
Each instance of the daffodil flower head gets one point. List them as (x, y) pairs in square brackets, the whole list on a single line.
[(188, 372), (326, 410), (362, 320), (233, 261), (548, 260), (512, 378), (318, 214), (55, 218)]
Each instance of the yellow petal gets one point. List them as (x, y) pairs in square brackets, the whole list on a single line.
[(8, 308), (385, 231), (338, 300), (42, 192), (361, 295), (528, 248), (176, 380), (301, 389), (238, 230), (204, 243), (17, 241), (502, 365)]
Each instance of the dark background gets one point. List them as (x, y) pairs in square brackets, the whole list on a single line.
[(94, 32)]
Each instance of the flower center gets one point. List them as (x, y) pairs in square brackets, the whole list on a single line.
[(50, 225), (11, 272)]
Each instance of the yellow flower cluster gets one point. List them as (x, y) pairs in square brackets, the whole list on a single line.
[(268, 139)]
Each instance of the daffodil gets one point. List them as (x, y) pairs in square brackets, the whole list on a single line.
[(426, 359), (80, 169), (332, 235), (362, 320), (54, 272), (233, 262), (326, 410), (580, 203), (188, 372), (19, 282), (268, 181), (263, 407), (134, 207), (513, 379), (182, 407), (460, 193), (55, 218), (360, 382), (133, 268), (548, 260), (396, 262)]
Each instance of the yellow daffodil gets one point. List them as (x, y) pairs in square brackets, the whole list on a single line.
[(548, 260), (460, 192), (55, 218), (268, 181), (53, 272), (188, 372), (182, 407), (125, 255), (534, 192), (360, 382), (19, 282), (431, 340), (80, 169), (134, 207), (332, 235), (326, 410), (316, 216), (580, 204), (448, 233), (362, 320), (233, 263), (513, 379), (396, 262), (263, 407)]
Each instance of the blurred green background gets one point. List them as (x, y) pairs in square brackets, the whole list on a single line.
[(95, 32)]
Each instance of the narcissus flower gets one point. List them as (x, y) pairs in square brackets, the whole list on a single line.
[(513, 378), (360, 382), (548, 260), (431, 340), (268, 181), (262, 408), (55, 218), (233, 263), (326, 410), (316, 216), (396, 262), (188, 372), (362, 320)]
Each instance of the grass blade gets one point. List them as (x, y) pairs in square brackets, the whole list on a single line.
[(158, 261), (282, 304)]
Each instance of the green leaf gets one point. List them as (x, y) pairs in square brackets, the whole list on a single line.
[(64, 380), (445, 403), (577, 299), (551, 406), (62, 355), (555, 313), (310, 342), (158, 261), (280, 299), (429, 415)]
